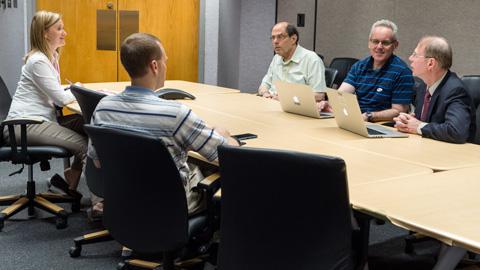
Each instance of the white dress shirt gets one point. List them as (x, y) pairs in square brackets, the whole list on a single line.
[(38, 90)]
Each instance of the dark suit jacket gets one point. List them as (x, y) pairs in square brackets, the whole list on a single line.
[(451, 114)]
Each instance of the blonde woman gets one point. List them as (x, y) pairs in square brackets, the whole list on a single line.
[(38, 92)]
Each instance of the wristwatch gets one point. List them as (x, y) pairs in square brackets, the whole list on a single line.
[(369, 116)]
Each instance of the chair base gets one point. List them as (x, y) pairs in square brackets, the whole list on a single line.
[(44, 201), (91, 238), (167, 264)]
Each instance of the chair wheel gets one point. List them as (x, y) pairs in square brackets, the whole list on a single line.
[(61, 223), (75, 252), (122, 266)]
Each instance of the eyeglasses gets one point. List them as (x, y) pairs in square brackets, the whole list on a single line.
[(414, 54), (280, 37), (385, 43)]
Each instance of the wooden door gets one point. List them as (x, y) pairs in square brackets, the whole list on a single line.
[(175, 22), (80, 60)]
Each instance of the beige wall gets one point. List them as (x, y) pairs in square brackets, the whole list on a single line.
[(343, 27), (287, 10)]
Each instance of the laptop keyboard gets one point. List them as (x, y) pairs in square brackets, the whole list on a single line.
[(374, 132)]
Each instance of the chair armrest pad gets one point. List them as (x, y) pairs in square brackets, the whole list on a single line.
[(197, 159), (210, 183), (22, 121)]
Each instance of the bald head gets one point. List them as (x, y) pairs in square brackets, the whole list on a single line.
[(288, 28), (438, 48)]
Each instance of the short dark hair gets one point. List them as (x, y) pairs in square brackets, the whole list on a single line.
[(292, 30), (137, 51)]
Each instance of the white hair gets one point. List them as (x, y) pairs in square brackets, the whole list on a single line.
[(385, 23)]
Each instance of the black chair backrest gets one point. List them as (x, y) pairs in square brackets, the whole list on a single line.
[(294, 215), (343, 65), (330, 75), (472, 82), (145, 203), (321, 56), (5, 100), (87, 99), (418, 86)]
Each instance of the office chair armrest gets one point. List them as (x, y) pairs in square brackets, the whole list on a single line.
[(22, 121), (210, 184), (196, 159)]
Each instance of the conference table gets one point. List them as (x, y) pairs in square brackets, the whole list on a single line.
[(448, 209), (438, 156), (196, 89), (443, 205), (388, 177)]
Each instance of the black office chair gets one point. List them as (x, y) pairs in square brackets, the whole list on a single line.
[(295, 216), (473, 86), (343, 65), (418, 86), (330, 75), (145, 204), (5, 100), (321, 56), (87, 100), (29, 155)]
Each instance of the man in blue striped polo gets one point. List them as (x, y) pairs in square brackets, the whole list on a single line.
[(382, 82), (139, 109)]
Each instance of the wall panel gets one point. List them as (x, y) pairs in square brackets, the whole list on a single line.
[(343, 27), (287, 10)]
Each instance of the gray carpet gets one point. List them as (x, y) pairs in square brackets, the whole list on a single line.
[(36, 243)]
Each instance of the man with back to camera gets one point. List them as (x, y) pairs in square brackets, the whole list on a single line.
[(292, 63), (138, 108), (443, 110), (382, 82)]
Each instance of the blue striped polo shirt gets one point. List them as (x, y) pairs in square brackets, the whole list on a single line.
[(140, 110), (378, 89)]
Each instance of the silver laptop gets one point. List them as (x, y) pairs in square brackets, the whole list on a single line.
[(348, 116), (299, 99)]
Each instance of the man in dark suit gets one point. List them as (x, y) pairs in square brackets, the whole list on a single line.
[(444, 110)]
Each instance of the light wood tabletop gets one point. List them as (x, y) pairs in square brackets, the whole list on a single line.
[(267, 113), (437, 155), (433, 154), (415, 149), (362, 167), (196, 89), (444, 205)]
